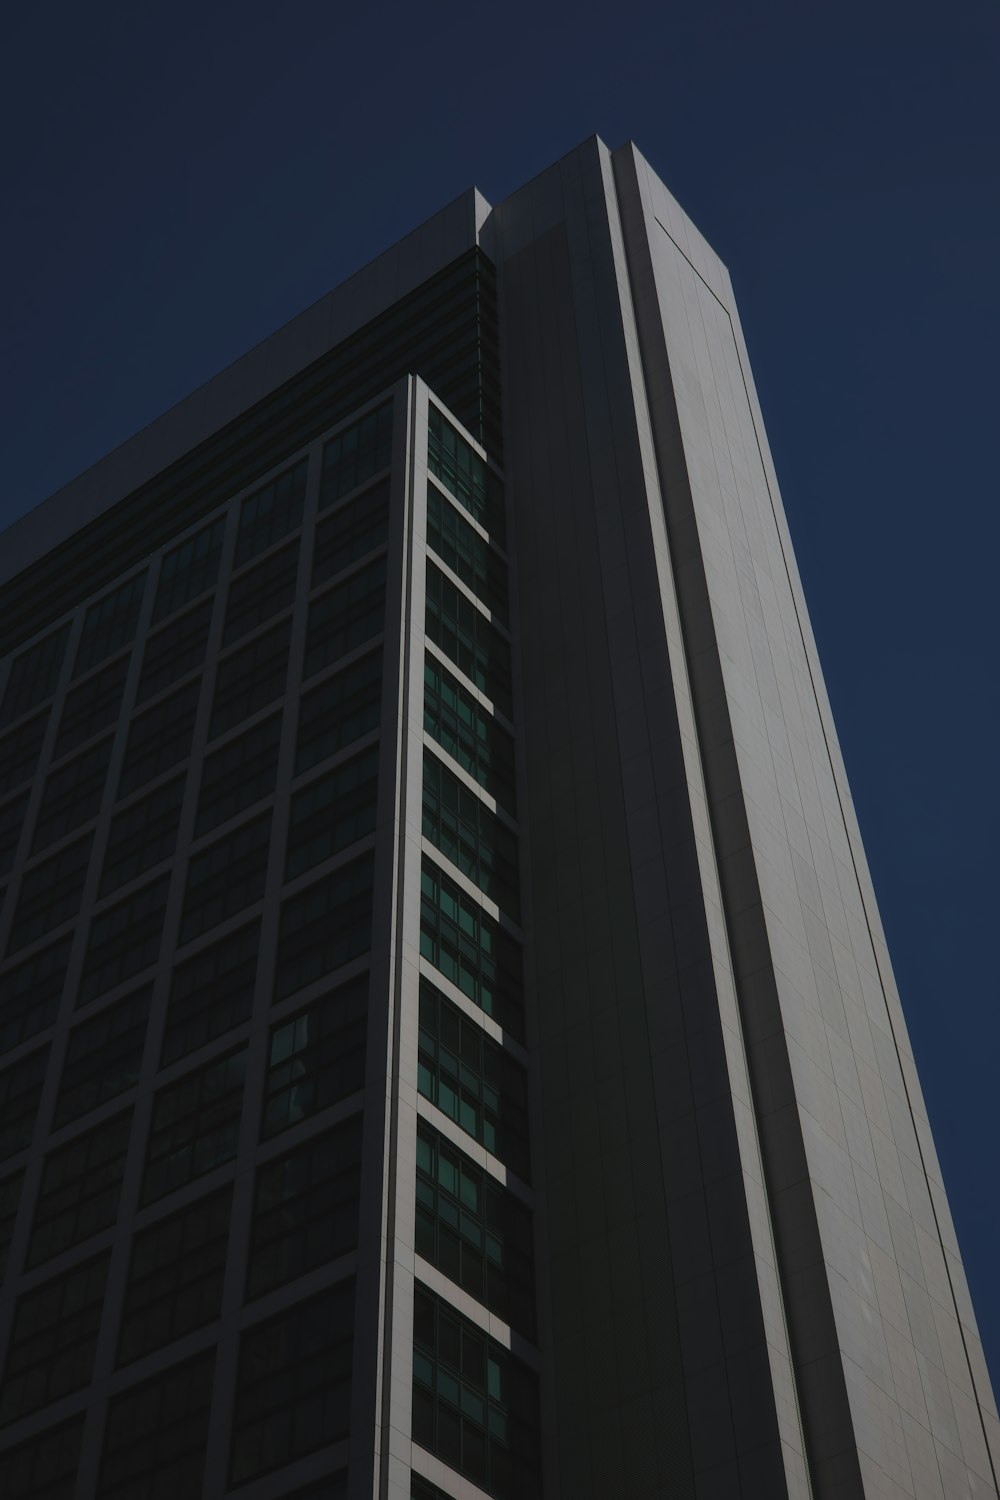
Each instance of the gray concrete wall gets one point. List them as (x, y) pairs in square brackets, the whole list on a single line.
[(896, 1392)]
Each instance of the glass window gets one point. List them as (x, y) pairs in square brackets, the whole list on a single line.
[(474, 1231), (422, 1489), (463, 472), (250, 678), (20, 751), (476, 647), (473, 1081), (91, 706), (352, 531), (81, 1183), (72, 794), (472, 837), (175, 649), (175, 1276), (157, 1433), (261, 592), (305, 1210), (160, 738), (196, 1125), (474, 1404), (110, 623), (272, 512), (124, 940), (470, 735), (45, 1467), (34, 675), (316, 1057), (466, 553), (20, 1091), (142, 835), (211, 993), (226, 877), (188, 570), (53, 1339), (468, 947), (103, 1057), (293, 1385), (239, 774), (356, 454), (51, 893), (11, 822), (332, 812), (325, 926), (340, 710), (10, 1199), (31, 993), (346, 616)]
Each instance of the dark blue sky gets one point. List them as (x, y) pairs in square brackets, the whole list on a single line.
[(180, 179)]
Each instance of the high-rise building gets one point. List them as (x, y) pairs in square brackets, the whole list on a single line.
[(449, 1044)]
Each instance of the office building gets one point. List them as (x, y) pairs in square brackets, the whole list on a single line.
[(449, 1044)]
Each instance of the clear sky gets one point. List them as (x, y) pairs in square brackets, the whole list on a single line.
[(179, 179)]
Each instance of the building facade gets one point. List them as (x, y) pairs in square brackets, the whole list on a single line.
[(449, 1044)]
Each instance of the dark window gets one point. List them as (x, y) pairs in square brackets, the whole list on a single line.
[(174, 650), (175, 1278), (34, 675), (103, 1056), (474, 1231), (51, 893), (190, 569), (316, 1057), (20, 751), (250, 678), (110, 624), (471, 836), (352, 531), (422, 1489), (293, 1386), (340, 710), (241, 773), (474, 1404), (470, 557), (476, 647), (332, 812), (331, 1487), (271, 513), (470, 735), (142, 835), (470, 949), (45, 1467), (196, 1125), (211, 993), (345, 616), (472, 1080), (91, 706), (11, 823), (20, 1091), (81, 1183), (124, 940), (157, 1433), (10, 1198), (305, 1209), (261, 593), (226, 877), (160, 738), (325, 926), (356, 455), (31, 993), (72, 794), (463, 472), (53, 1339)]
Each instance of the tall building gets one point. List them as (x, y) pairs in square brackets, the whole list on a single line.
[(449, 1043)]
